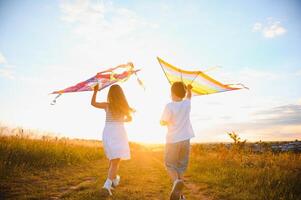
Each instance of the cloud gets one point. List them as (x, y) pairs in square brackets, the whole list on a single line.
[(106, 34), (270, 29), (272, 124), (286, 115), (257, 27), (2, 59), (276, 123), (100, 20), (6, 70), (281, 115), (274, 30)]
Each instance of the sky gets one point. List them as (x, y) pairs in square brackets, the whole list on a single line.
[(49, 45)]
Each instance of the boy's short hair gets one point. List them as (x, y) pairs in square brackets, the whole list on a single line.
[(178, 89)]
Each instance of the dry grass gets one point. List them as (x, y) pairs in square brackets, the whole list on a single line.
[(48, 167), (21, 152), (245, 175)]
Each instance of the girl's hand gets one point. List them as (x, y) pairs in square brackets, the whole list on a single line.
[(131, 64), (189, 86), (163, 123), (96, 87)]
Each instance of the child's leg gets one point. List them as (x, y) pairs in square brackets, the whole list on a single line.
[(173, 174), (183, 158), (180, 176), (114, 166), (109, 164), (171, 157)]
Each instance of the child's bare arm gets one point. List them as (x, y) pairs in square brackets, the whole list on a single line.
[(189, 87), (101, 105)]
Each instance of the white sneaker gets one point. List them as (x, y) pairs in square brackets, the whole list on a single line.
[(108, 186), (116, 181), (177, 188)]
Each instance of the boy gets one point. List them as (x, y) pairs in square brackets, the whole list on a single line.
[(176, 118)]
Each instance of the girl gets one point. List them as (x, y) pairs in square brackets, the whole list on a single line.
[(114, 138)]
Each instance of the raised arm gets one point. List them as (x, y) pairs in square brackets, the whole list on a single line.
[(101, 105), (188, 95)]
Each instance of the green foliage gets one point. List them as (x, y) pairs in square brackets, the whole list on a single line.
[(238, 145)]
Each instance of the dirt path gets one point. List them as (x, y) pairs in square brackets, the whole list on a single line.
[(196, 191), (142, 177), (88, 182), (192, 190)]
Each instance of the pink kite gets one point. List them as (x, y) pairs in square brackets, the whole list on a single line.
[(103, 78)]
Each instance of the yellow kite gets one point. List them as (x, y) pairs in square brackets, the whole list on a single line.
[(202, 83)]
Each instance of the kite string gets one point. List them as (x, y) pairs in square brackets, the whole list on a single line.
[(195, 77), (140, 82), (164, 72), (182, 77), (209, 69)]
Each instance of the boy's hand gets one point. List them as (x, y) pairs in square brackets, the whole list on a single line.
[(163, 123), (96, 87), (188, 95)]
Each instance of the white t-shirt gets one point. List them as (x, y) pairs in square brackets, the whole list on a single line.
[(177, 114)]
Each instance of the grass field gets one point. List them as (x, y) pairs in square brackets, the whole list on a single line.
[(50, 168)]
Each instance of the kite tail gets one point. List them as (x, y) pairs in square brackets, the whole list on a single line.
[(140, 82), (240, 84), (54, 100)]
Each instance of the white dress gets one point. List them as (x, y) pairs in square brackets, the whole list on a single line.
[(114, 138)]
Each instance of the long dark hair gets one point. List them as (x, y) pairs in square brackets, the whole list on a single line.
[(118, 105)]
